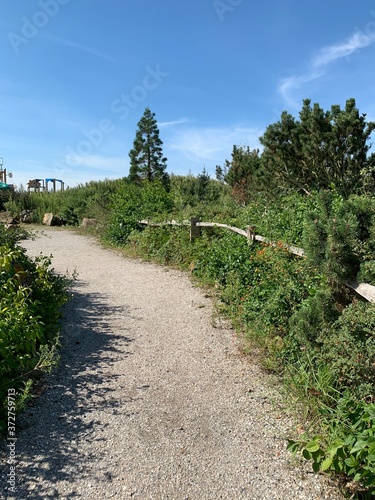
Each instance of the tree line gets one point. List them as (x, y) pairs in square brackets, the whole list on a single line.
[(322, 149)]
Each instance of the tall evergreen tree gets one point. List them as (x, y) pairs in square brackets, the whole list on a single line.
[(146, 158)]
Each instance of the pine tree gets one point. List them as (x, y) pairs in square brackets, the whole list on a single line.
[(202, 186), (320, 150), (242, 173), (146, 157)]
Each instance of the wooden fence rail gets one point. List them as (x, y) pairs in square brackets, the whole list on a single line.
[(363, 289)]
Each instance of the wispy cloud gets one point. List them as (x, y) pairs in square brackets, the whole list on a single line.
[(332, 53), (295, 82), (78, 46), (320, 63), (213, 144), (172, 123)]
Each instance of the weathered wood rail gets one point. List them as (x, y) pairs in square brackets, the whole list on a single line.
[(363, 289)]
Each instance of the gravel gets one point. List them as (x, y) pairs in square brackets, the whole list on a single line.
[(152, 398)]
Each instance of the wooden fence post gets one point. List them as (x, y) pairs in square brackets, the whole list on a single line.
[(195, 231), (250, 233)]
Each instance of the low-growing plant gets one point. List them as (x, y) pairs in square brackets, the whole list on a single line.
[(347, 446), (31, 297)]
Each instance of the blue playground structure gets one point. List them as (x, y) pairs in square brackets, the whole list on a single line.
[(38, 185)]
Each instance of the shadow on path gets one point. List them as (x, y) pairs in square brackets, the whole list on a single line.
[(50, 432)]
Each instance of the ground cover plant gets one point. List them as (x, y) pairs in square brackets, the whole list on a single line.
[(31, 297)]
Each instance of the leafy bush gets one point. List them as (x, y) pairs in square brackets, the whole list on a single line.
[(348, 348), (72, 205), (30, 302), (348, 446), (131, 203)]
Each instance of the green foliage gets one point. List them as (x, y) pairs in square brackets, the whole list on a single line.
[(202, 185), (279, 219), (189, 192), (72, 205), (309, 387), (310, 322), (348, 348), (30, 301), (339, 236), (350, 446), (19, 201), (322, 149), (243, 173), (132, 203)]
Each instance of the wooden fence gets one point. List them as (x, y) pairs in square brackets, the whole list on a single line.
[(363, 289)]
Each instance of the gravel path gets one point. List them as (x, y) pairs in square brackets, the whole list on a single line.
[(150, 400)]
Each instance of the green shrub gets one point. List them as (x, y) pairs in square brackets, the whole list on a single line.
[(348, 446), (30, 305), (348, 348), (132, 203), (339, 236), (309, 322)]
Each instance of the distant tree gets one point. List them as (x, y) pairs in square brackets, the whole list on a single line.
[(219, 173), (146, 158), (242, 172), (202, 185), (322, 149)]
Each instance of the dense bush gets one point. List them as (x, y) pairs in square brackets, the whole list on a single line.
[(31, 297), (133, 202), (348, 348), (72, 205), (339, 236)]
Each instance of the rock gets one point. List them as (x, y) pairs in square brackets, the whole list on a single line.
[(26, 216), (7, 218), (89, 222), (49, 219)]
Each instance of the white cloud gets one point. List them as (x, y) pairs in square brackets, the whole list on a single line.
[(319, 64), (295, 82), (344, 49), (172, 123), (213, 144)]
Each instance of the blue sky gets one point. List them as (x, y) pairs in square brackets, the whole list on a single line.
[(76, 76)]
